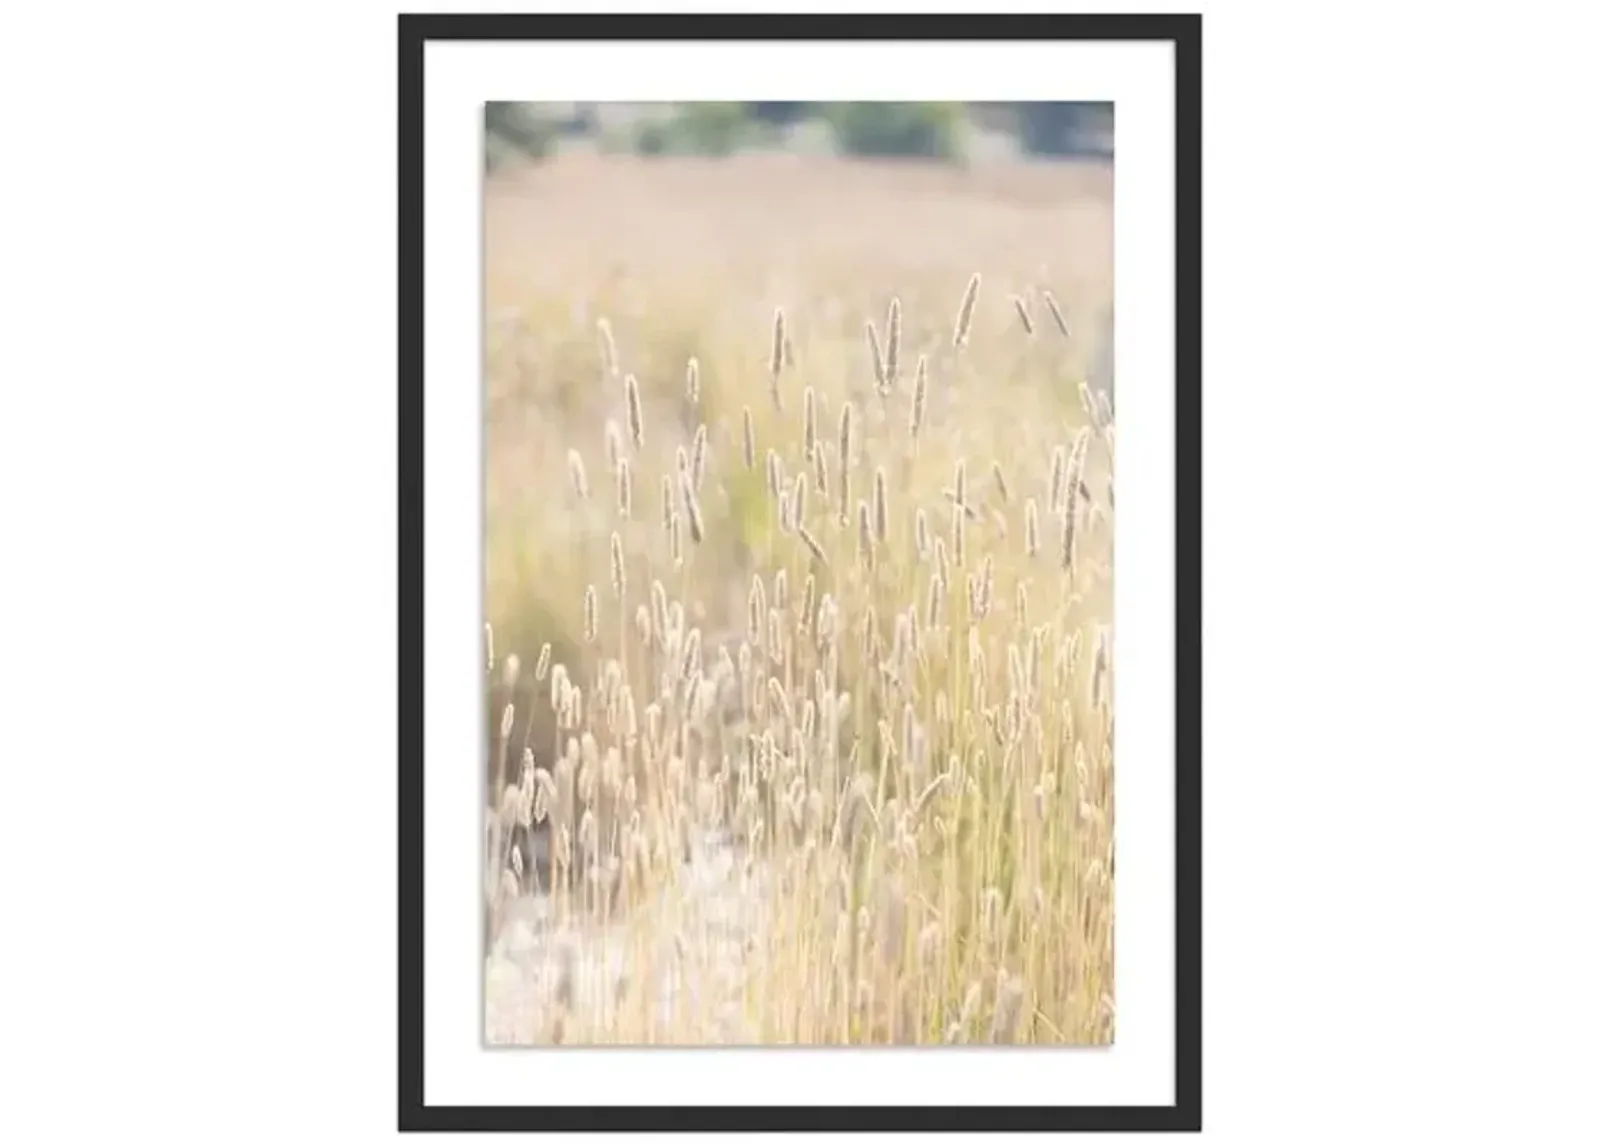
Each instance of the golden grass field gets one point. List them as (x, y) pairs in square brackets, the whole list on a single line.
[(827, 610)]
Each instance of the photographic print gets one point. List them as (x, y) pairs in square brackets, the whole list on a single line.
[(797, 641), (799, 664)]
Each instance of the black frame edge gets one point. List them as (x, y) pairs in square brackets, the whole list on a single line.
[(1184, 31), (414, 1115)]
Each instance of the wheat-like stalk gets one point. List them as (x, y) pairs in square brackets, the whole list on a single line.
[(864, 534), (669, 507), (958, 535), (891, 355), (624, 489), (691, 508), (845, 415), (969, 303), (919, 397), (812, 545), (1022, 314), (999, 477), (879, 373), (880, 507), (776, 362), (608, 348), (1055, 313), (577, 474), (613, 443), (619, 576), (697, 462), (635, 411), (774, 474), (1058, 478)]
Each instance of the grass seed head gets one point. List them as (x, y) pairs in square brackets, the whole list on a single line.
[(577, 474), (864, 534), (1069, 538), (691, 508), (613, 442), (619, 575), (690, 666), (608, 349), (756, 608), (919, 397), (880, 507), (1022, 313), (1058, 477), (775, 362), (624, 489), (879, 375), (935, 601), (697, 463), (969, 303), (1055, 313), (891, 355), (1000, 484), (811, 544), (774, 474), (781, 355), (635, 411)]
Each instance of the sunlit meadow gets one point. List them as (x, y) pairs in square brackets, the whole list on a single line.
[(798, 661)]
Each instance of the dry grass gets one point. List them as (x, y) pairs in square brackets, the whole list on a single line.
[(807, 530)]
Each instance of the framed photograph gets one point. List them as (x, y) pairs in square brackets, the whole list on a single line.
[(800, 572)]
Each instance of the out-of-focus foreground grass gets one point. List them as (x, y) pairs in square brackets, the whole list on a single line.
[(883, 666)]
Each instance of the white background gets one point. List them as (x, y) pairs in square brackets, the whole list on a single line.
[(1139, 77), (197, 598)]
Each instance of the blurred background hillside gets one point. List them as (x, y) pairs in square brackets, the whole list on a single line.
[(959, 133)]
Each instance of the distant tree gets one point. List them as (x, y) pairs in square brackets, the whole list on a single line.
[(927, 130), (780, 114), (515, 129), (651, 138), (711, 128), (704, 128), (1061, 128)]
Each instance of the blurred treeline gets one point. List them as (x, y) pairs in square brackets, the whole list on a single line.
[(951, 132)]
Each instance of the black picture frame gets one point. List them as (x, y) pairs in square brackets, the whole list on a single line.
[(1183, 31)]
